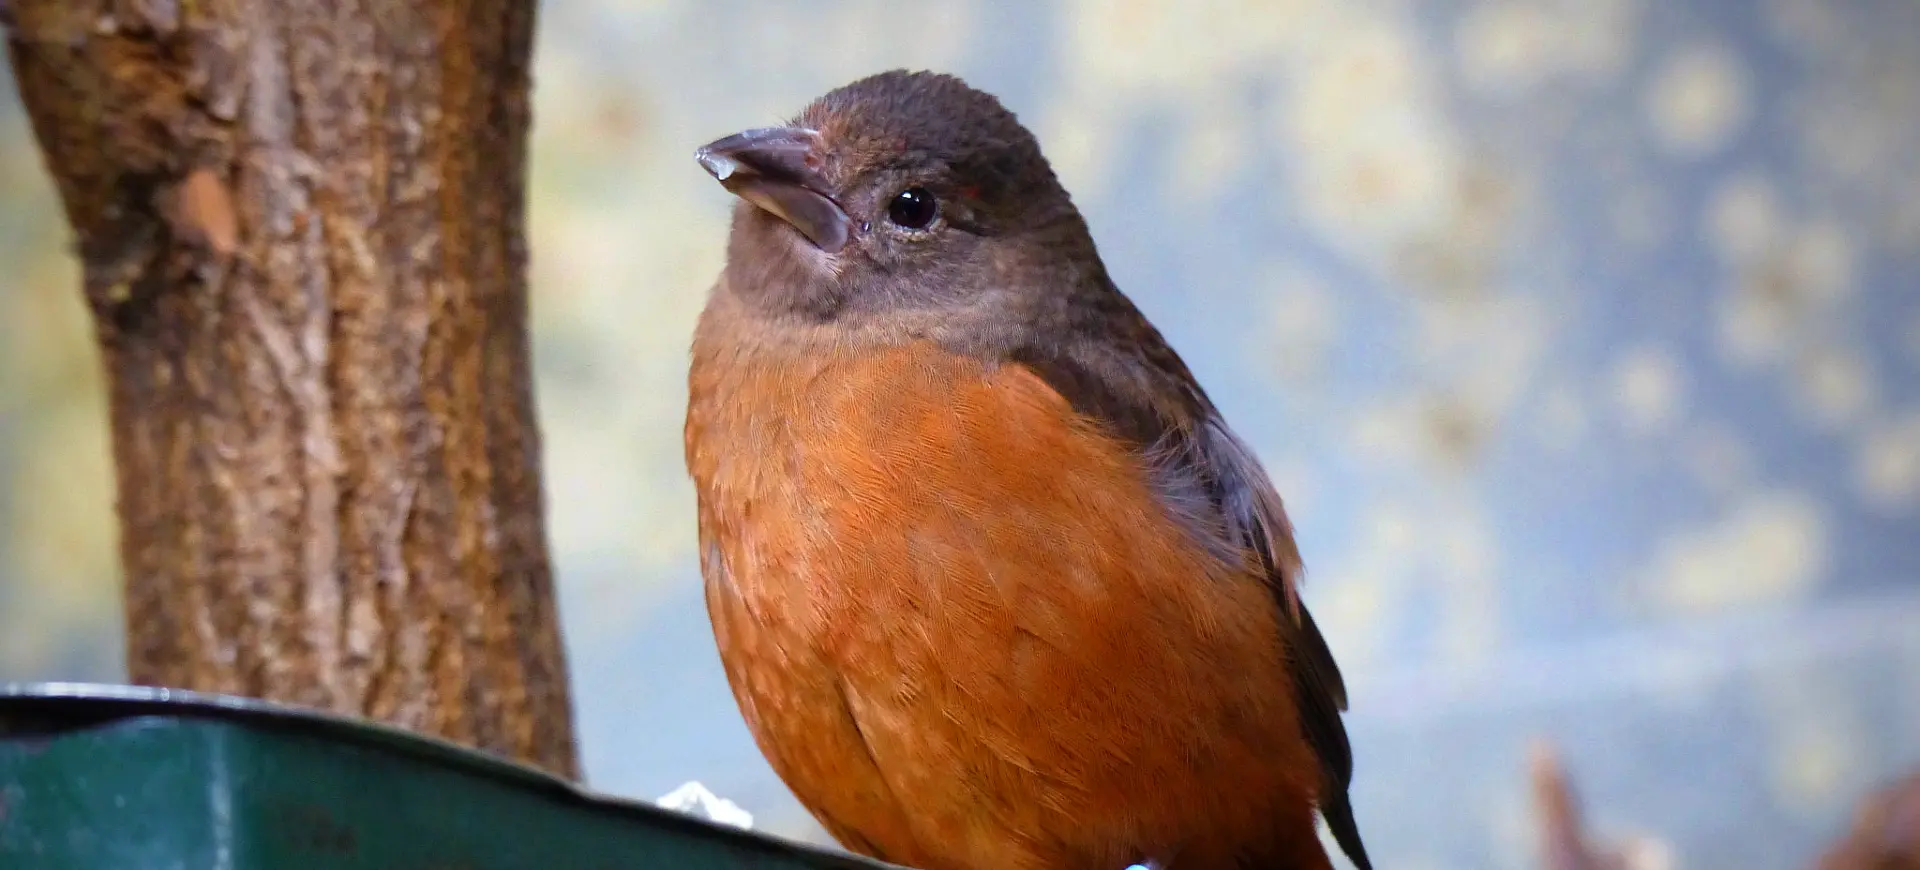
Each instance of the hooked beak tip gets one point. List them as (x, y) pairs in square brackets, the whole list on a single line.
[(720, 166)]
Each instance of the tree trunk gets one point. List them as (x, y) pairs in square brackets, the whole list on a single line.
[(300, 224)]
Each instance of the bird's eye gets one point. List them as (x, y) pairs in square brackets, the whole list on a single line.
[(913, 209)]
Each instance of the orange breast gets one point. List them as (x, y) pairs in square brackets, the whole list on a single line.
[(966, 634)]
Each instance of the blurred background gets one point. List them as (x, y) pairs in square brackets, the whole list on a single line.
[(1582, 336)]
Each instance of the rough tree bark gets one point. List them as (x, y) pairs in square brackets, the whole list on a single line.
[(300, 225)]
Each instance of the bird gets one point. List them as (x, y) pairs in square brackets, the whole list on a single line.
[(992, 582)]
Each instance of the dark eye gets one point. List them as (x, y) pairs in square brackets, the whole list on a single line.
[(913, 209)]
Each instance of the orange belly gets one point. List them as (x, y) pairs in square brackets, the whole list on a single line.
[(966, 633)]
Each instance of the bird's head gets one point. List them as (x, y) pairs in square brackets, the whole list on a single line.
[(903, 190)]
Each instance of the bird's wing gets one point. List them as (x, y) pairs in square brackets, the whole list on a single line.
[(1140, 391)]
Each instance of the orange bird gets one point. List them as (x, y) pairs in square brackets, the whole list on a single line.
[(994, 584)]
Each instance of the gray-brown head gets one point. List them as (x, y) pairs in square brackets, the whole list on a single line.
[(900, 191)]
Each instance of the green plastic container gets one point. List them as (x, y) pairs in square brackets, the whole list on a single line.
[(95, 777)]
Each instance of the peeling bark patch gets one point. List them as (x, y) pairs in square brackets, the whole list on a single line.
[(199, 209)]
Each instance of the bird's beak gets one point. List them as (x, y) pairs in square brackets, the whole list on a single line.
[(778, 169)]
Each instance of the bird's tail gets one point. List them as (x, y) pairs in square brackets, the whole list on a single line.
[(1338, 812)]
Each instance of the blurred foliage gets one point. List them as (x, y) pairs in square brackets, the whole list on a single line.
[(1581, 335)]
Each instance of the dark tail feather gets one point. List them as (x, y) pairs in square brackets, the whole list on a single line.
[(1339, 815)]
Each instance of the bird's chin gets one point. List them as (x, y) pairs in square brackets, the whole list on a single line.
[(770, 236), (813, 218), (790, 240)]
